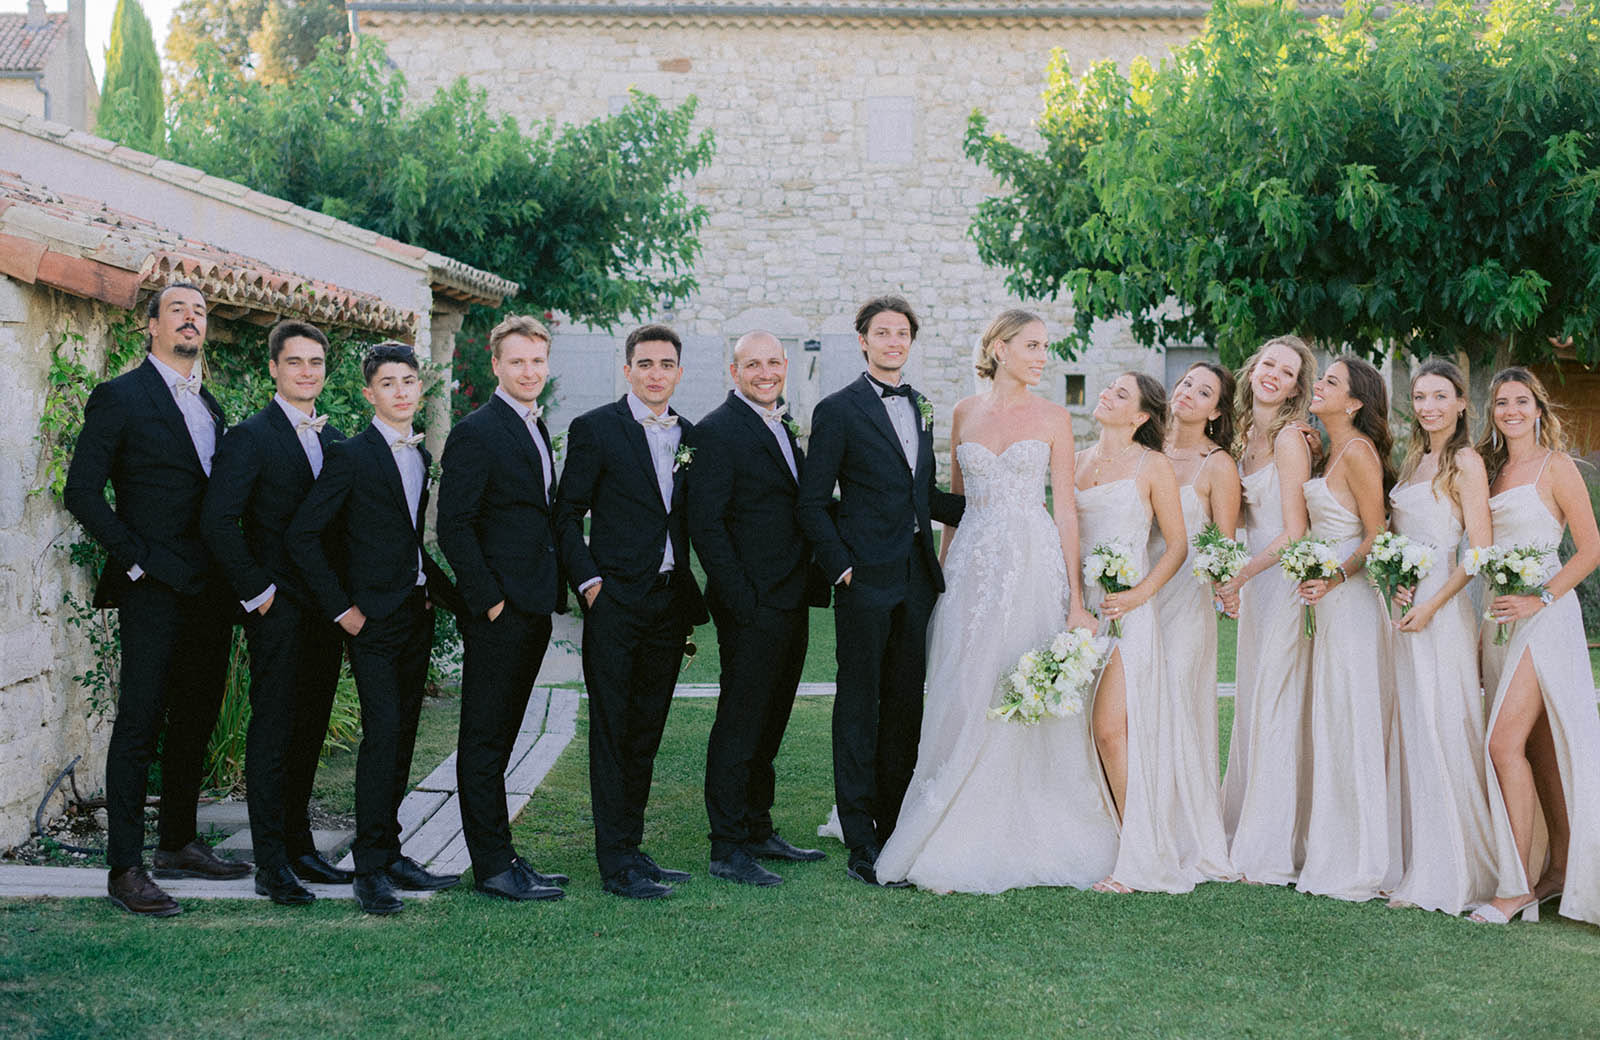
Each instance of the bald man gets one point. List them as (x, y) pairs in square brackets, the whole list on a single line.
[(741, 499)]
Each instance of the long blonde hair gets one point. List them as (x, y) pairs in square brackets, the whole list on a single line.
[(1492, 446), (1296, 408), (1444, 478)]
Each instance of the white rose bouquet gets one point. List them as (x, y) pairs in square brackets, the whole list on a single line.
[(1110, 564), (1509, 570), (1396, 562), (1053, 680), (1218, 559), (1304, 559)]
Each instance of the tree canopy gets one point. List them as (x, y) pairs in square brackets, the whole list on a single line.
[(130, 93), (589, 218), (269, 40), (1420, 177)]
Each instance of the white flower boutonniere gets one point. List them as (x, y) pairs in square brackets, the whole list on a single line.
[(926, 411), (684, 456)]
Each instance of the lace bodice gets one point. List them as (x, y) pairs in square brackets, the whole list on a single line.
[(1423, 516), (1013, 479)]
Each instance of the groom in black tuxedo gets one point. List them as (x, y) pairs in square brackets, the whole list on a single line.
[(625, 467), (874, 439), (151, 433), (369, 504), (742, 518), (263, 471), (496, 496)]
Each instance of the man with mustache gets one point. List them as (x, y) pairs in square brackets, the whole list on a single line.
[(151, 433), (742, 520), (263, 471)]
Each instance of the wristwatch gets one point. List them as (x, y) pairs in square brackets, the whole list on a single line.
[(1545, 597)]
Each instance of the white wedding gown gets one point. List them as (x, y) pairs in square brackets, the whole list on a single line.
[(998, 805)]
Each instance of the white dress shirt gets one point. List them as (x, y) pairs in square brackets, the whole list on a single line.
[(903, 417), (532, 422), (311, 444), (412, 476), (197, 417), (773, 417)]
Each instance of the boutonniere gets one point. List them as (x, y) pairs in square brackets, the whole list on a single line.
[(682, 458), (434, 471), (790, 425), (926, 411)]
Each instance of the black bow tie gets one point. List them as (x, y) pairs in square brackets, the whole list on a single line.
[(892, 391)]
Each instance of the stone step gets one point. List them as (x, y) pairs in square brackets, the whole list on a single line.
[(332, 844)]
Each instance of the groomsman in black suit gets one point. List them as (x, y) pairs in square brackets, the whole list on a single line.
[(741, 498), (874, 439), (152, 433), (263, 470), (495, 500), (625, 464), (368, 505)]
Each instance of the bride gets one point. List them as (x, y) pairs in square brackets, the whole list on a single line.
[(997, 805)]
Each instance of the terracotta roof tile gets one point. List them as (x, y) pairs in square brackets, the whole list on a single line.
[(24, 48)]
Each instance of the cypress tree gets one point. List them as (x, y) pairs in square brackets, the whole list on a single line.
[(130, 97)]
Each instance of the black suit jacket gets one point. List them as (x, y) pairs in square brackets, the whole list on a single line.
[(741, 499), (359, 503), (258, 479), (495, 522), (609, 476), (881, 500), (134, 436)]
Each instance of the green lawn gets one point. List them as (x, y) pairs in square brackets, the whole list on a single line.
[(820, 955)]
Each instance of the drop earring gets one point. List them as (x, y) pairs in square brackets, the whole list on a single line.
[(1536, 427)]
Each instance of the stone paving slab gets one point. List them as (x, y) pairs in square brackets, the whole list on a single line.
[(90, 882), (443, 777), (526, 776), (329, 843)]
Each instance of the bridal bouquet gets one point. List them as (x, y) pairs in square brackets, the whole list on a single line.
[(1111, 565), (1218, 559), (1304, 559), (1052, 680), (1508, 570), (1396, 562)]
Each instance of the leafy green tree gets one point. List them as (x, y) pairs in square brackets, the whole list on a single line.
[(131, 106), (1425, 179), (271, 40)]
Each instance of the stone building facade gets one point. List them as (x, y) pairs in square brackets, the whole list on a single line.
[(44, 65), (839, 172), (88, 229)]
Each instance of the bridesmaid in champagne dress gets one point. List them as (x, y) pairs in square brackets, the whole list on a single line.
[(1544, 734), (1444, 492), (1171, 827), (1199, 438), (1350, 850), (1263, 790)]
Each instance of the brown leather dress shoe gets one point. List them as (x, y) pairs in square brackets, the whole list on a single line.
[(196, 860), (137, 894)]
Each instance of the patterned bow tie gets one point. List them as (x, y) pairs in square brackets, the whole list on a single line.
[(191, 385), (660, 422), (535, 413), (406, 442), (315, 424)]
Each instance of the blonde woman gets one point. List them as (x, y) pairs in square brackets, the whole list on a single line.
[(1264, 789), (1544, 735), (996, 805)]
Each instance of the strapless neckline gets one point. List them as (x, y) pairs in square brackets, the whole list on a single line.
[(1007, 450)]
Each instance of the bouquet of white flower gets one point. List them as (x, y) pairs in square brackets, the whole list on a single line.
[(1508, 570), (1110, 564), (1052, 680), (1396, 562), (1304, 559), (1217, 558)]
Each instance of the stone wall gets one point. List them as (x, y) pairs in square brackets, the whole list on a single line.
[(44, 715), (839, 172)]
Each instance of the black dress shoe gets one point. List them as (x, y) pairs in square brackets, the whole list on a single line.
[(656, 872), (775, 847), (136, 893), (375, 894), (863, 867), (741, 867), (281, 886), (512, 884), (312, 867), (408, 874), (633, 884), (547, 880), (196, 860)]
